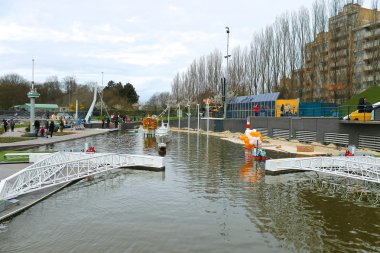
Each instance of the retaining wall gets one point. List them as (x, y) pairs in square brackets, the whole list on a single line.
[(323, 130)]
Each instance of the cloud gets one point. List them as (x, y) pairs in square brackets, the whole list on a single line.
[(145, 42), (9, 51), (12, 31), (148, 55)]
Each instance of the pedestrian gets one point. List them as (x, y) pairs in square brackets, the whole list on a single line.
[(282, 110), (42, 131), (256, 110), (5, 125), (12, 124), (262, 110), (61, 125), (51, 128), (36, 127), (115, 120), (47, 129), (108, 122), (103, 122)]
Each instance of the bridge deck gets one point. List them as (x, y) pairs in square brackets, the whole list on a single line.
[(64, 167), (357, 167)]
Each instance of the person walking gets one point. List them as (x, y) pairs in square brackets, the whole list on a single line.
[(108, 122), (51, 128), (47, 129), (12, 124), (61, 125), (36, 127), (5, 125)]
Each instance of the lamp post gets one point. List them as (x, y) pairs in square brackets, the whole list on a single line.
[(101, 96), (198, 116), (225, 82), (188, 118), (32, 94)]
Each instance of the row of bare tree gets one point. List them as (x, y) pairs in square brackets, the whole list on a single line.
[(275, 53), (14, 89)]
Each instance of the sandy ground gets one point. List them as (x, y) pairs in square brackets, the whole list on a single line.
[(282, 145)]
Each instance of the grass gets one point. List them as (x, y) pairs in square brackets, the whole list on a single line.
[(15, 139), (18, 158), (54, 134), (372, 94)]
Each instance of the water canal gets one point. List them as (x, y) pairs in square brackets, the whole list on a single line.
[(208, 200)]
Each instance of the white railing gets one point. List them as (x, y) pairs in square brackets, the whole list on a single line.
[(64, 167), (365, 168)]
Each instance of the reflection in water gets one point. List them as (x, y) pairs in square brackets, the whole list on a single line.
[(149, 142), (211, 198), (252, 171)]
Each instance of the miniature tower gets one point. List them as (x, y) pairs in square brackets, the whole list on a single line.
[(32, 94)]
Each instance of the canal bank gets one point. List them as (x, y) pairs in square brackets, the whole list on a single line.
[(363, 134), (40, 141), (281, 145)]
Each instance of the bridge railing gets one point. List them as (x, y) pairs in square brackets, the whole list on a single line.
[(358, 167), (63, 167)]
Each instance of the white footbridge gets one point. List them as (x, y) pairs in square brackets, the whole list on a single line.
[(365, 168), (63, 167)]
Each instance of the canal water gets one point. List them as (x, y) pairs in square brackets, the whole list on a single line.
[(209, 199)]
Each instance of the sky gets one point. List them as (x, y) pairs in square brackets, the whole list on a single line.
[(143, 42)]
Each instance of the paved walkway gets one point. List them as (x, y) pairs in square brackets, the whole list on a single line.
[(18, 132), (44, 141)]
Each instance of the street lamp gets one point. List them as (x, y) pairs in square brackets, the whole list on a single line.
[(101, 96), (225, 82), (32, 94)]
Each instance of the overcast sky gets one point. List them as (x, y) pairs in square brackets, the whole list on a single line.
[(144, 42)]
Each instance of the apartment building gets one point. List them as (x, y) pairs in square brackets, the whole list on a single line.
[(345, 60)]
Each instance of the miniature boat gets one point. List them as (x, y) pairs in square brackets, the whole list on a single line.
[(163, 135), (259, 154), (149, 125)]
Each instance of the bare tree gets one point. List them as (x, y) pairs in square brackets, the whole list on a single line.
[(252, 66)]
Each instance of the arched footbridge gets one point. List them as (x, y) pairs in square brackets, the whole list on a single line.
[(63, 167), (365, 168)]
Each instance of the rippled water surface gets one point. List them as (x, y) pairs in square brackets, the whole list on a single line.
[(209, 199)]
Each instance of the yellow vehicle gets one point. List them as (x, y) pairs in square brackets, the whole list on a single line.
[(363, 116)]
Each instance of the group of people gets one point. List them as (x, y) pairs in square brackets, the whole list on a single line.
[(116, 118), (285, 110), (259, 111), (9, 123), (48, 129)]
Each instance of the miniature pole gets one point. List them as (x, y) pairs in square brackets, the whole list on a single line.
[(198, 115), (179, 117), (208, 114), (188, 119), (76, 109)]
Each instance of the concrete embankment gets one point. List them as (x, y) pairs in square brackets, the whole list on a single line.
[(40, 141), (280, 145)]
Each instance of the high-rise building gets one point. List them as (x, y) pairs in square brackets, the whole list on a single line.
[(346, 59)]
